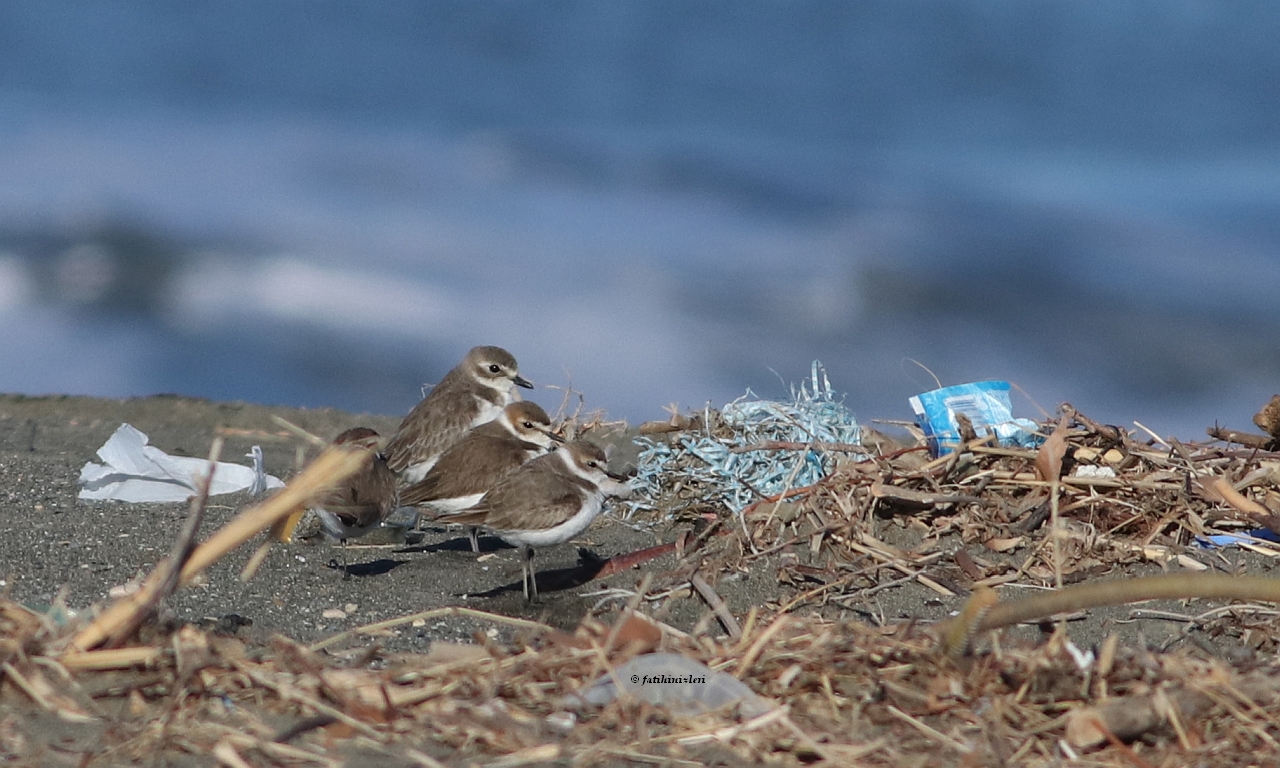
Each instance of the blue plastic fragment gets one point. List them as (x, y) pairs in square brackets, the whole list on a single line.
[(1234, 539), (988, 407), (814, 414)]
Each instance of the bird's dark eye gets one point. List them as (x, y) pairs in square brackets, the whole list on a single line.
[(592, 464), (495, 368), (528, 425)]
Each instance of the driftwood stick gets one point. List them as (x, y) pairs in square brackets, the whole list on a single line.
[(909, 497), (1130, 717), (716, 603), (117, 658), (1248, 439), (1169, 586), (619, 563)]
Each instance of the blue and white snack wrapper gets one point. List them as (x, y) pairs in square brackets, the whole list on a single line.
[(988, 407)]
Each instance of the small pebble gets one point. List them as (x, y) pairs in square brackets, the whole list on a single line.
[(300, 558), (334, 613), (119, 590), (419, 622), (350, 607)]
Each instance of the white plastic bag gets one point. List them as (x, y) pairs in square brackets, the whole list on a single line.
[(135, 472)]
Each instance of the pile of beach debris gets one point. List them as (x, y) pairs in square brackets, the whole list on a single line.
[(792, 682)]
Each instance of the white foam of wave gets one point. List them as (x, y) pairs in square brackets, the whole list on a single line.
[(222, 290), (16, 285)]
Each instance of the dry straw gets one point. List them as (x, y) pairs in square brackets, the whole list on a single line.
[(849, 685)]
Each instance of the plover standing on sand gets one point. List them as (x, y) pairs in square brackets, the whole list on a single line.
[(474, 392), (547, 501)]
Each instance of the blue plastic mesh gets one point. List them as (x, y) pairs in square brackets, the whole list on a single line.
[(702, 465)]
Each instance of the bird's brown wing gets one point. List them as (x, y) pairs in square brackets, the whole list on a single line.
[(429, 428), (473, 465), (534, 499)]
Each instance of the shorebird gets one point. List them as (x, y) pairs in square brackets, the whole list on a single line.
[(363, 501), (547, 501), (474, 392), (474, 464)]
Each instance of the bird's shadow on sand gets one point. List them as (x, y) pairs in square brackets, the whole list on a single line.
[(371, 568), (589, 564), (457, 544), (461, 544)]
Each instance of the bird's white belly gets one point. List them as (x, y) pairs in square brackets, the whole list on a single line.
[(456, 504), (562, 532)]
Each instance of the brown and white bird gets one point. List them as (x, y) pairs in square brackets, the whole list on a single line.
[(547, 501), (471, 394), (363, 501), (474, 464)]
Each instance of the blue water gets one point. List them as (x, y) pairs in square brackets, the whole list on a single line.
[(327, 204)]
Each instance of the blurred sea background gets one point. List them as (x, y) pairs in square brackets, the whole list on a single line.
[(327, 204)]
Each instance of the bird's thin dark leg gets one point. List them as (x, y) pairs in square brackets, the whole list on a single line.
[(533, 578), (341, 560), (473, 534)]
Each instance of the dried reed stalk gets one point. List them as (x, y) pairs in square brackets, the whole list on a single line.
[(1169, 586), (331, 467)]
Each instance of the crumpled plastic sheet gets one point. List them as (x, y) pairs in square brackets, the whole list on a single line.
[(681, 684), (133, 471), (815, 414)]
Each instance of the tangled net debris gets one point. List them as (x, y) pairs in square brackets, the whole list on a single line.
[(720, 462)]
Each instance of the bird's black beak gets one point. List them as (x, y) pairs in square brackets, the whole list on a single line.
[(616, 476), (555, 437), (521, 381)]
